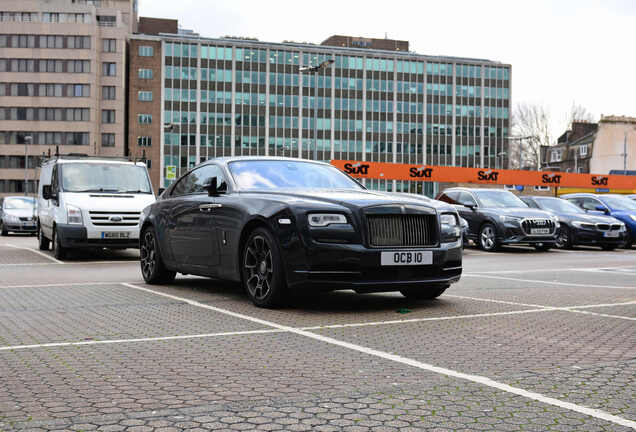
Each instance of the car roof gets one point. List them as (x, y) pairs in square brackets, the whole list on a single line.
[(467, 189), (228, 159), (95, 161)]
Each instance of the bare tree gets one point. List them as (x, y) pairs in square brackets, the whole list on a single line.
[(577, 113), (530, 131)]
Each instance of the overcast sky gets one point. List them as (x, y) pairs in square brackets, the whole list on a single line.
[(561, 52)]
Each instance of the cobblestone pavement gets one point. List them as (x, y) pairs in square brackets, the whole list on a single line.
[(525, 341)]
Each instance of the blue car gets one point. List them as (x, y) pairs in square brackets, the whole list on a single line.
[(618, 206)]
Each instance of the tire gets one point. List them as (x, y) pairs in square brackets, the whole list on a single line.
[(3, 230), (564, 238), (488, 238), (542, 247), (608, 247), (43, 242), (629, 240), (262, 272), (424, 293), (59, 252), (153, 269)]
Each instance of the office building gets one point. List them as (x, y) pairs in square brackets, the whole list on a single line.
[(195, 98), (62, 81)]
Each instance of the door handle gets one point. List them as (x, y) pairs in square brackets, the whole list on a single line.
[(208, 207)]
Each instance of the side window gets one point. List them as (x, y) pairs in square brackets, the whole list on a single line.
[(590, 204), (466, 199), (529, 202), (446, 198), (54, 180), (196, 181), (575, 201)]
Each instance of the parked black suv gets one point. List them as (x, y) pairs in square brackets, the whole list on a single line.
[(497, 217), (579, 228)]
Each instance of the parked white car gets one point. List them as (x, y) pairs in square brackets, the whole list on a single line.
[(89, 202)]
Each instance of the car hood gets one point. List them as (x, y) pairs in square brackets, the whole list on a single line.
[(347, 199), (569, 217), (19, 212), (100, 201), (519, 212)]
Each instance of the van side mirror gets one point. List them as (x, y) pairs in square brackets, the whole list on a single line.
[(47, 193), (160, 191)]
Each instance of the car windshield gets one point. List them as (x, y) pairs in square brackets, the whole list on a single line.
[(19, 203), (620, 203), (558, 205), (280, 174), (500, 198), (105, 177)]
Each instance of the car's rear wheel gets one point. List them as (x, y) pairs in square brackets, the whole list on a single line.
[(488, 238), (153, 268), (59, 252), (564, 239), (43, 242), (424, 293), (3, 229), (262, 271)]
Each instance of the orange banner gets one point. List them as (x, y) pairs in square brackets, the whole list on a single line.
[(393, 171)]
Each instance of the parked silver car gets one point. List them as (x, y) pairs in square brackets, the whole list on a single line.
[(17, 214)]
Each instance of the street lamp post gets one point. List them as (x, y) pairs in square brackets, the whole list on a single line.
[(27, 140), (315, 70)]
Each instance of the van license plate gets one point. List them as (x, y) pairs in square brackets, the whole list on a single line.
[(115, 235), (407, 258), (540, 231)]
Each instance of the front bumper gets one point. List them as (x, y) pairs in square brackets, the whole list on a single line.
[(74, 236), (21, 227), (330, 267), (595, 237), (515, 235)]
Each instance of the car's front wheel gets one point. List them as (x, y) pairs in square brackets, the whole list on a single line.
[(263, 275), (564, 239), (488, 238), (425, 293), (153, 269)]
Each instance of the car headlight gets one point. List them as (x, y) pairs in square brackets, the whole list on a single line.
[(325, 219), (449, 227), (556, 221), (584, 225), (74, 215), (448, 219), (509, 219), (633, 217), (622, 228), (11, 219)]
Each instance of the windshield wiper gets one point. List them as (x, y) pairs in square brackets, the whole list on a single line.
[(136, 191), (94, 190)]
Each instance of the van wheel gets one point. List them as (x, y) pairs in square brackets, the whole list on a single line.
[(59, 252), (43, 242), (153, 269)]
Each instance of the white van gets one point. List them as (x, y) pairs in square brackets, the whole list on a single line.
[(91, 202)]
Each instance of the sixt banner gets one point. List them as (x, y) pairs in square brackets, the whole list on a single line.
[(393, 171)]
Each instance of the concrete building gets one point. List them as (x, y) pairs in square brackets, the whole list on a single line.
[(62, 81), (194, 98), (597, 148)]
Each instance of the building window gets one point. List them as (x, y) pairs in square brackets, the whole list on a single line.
[(108, 92), (109, 69), (109, 45), (106, 20), (146, 51), (144, 96), (144, 73), (144, 141), (51, 17), (555, 156), (108, 140), (583, 150), (108, 116), (145, 118)]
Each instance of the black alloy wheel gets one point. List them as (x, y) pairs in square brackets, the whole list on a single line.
[(262, 270), (43, 242), (629, 239), (153, 269), (3, 229), (564, 238), (59, 252), (424, 293), (488, 238)]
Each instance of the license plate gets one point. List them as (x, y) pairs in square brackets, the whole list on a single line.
[(406, 258), (540, 231), (613, 234), (115, 235)]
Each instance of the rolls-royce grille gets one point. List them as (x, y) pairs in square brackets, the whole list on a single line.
[(114, 218), (538, 226), (402, 230)]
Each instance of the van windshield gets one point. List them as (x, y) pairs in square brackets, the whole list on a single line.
[(106, 177)]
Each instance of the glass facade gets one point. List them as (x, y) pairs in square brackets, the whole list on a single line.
[(226, 98)]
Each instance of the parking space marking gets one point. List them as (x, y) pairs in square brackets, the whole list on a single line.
[(64, 284), (150, 339), (544, 270), (409, 362), (602, 314), (499, 301), (37, 252), (534, 281)]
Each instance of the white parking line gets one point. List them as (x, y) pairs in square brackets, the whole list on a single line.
[(410, 362), (37, 252), (602, 314), (534, 281), (62, 284), (554, 270), (499, 301), (150, 339)]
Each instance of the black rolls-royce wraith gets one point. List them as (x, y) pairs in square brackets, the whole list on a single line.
[(281, 224)]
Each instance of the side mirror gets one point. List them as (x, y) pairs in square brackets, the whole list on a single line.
[(469, 205), (46, 192), (160, 191), (602, 209), (213, 188)]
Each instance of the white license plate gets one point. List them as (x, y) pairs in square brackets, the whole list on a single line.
[(115, 235), (540, 231), (400, 258), (613, 234)]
